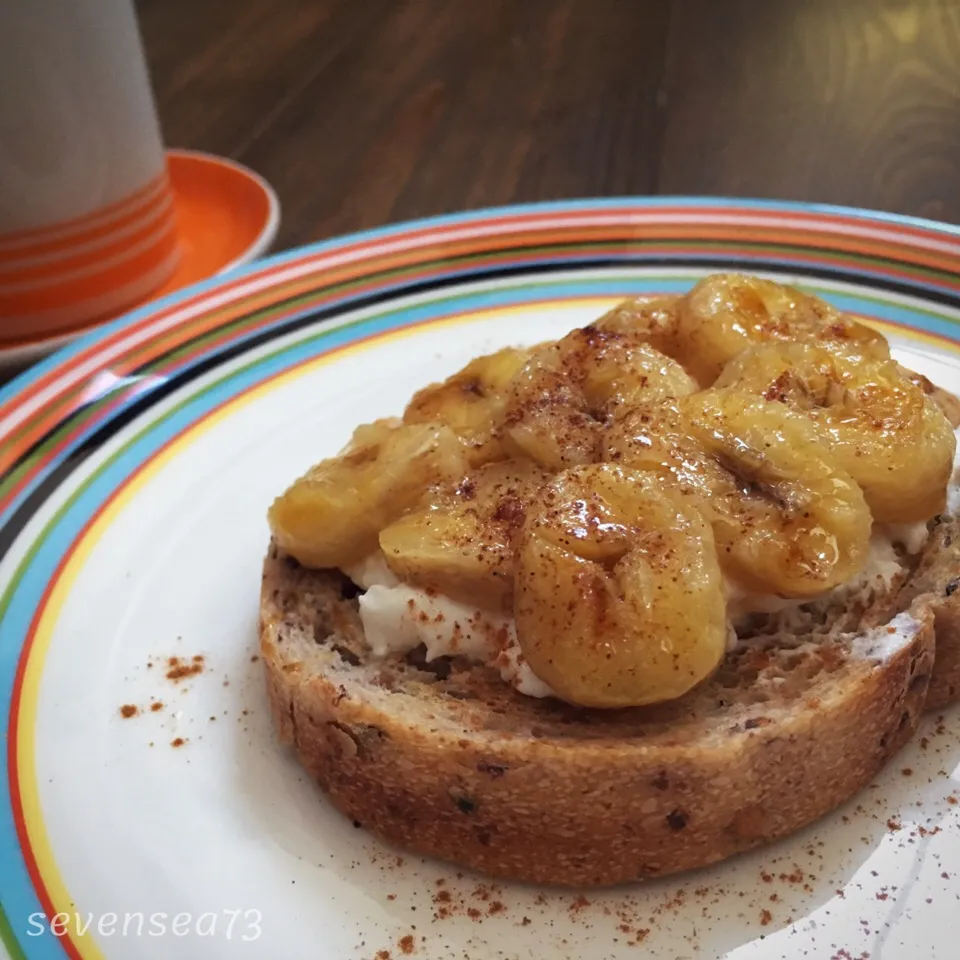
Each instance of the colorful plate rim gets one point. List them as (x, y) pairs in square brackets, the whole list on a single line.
[(73, 389), (85, 339)]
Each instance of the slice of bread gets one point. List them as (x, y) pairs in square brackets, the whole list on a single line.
[(446, 759)]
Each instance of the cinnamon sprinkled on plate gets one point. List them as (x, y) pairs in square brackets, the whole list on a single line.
[(179, 668)]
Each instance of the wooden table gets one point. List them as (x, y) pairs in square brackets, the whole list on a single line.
[(361, 112)]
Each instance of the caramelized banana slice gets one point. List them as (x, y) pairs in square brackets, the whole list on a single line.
[(332, 515), (652, 318), (947, 402), (725, 314), (787, 518), (471, 403), (462, 544), (619, 594), (567, 391), (891, 438)]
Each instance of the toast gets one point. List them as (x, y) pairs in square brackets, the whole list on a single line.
[(445, 759), (628, 603)]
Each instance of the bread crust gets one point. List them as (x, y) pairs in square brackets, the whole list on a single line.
[(584, 809), (936, 582)]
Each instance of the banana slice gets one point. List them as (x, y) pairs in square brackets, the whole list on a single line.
[(725, 314), (947, 402), (882, 429), (787, 518), (619, 593), (332, 515), (652, 318), (463, 544), (471, 403), (567, 392)]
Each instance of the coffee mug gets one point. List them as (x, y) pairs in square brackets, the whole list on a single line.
[(87, 219)]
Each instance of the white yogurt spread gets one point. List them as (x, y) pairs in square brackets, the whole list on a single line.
[(884, 642), (397, 618), (911, 536)]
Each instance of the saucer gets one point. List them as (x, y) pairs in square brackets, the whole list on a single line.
[(227, 216)]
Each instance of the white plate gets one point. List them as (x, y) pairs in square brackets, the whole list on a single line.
[(139, 466)]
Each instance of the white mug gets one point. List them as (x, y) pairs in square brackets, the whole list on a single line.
[(87, 220)]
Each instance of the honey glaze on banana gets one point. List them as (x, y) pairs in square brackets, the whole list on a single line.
[(620, 599), (596, 517)]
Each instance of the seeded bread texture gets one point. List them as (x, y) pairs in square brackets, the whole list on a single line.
[(447, 760)]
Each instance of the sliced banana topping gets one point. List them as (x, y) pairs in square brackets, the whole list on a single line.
[(655, 319), (333, 515), (471, 403), (727, 313), (787, 518), (603, 489), (570, 390), (620, 599), (462, 543), (881, 427)]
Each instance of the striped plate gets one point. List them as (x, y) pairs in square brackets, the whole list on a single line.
[(135, 471)]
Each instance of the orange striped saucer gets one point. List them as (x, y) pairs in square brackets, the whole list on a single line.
[(226, 216)]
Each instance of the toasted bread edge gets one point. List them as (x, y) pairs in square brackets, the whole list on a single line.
[(590, 812)]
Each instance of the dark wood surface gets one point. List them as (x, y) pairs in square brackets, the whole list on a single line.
[(361, 112)]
